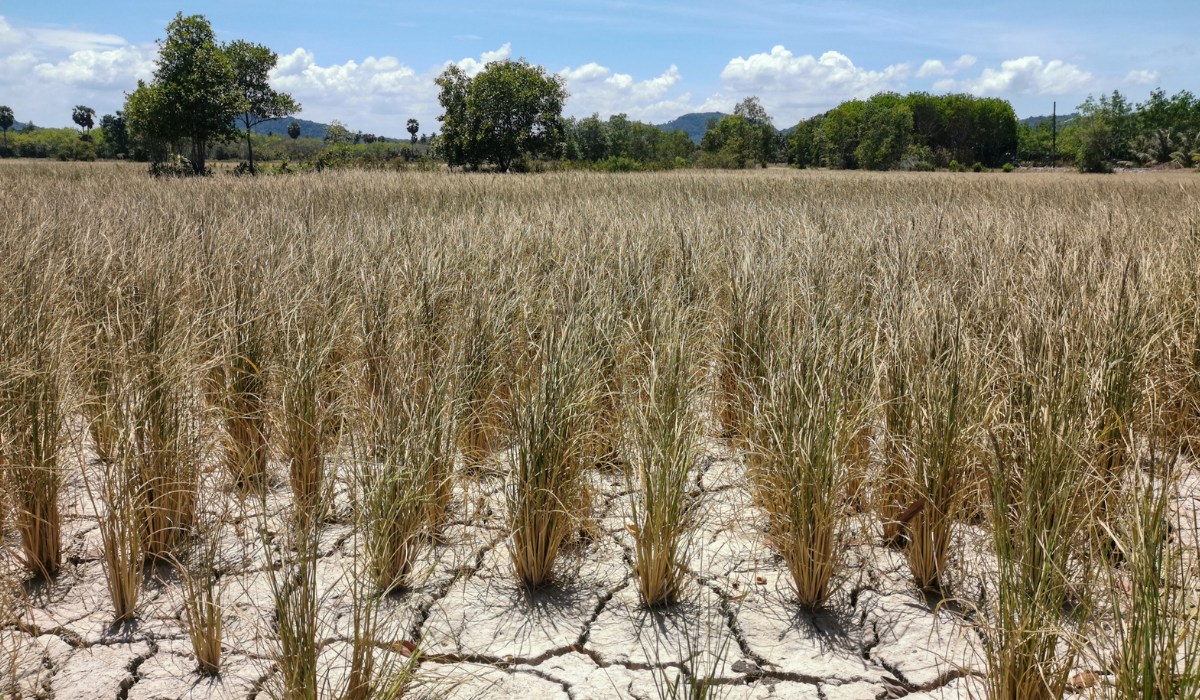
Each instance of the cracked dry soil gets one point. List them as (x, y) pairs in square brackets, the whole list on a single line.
[(484, 636)]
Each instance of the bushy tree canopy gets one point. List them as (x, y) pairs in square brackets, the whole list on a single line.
[(887, 131), (258, 102), (510, 110), (192, 100), (85, 117)]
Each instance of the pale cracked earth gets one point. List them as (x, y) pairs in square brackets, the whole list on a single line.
[(485, 637)]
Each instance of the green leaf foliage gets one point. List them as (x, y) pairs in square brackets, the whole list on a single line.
[(192, 100), (257, 101), (511, 110), (877, 133)]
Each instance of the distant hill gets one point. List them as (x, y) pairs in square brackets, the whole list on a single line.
[(694, 124), (1062, 119), (308, 129)]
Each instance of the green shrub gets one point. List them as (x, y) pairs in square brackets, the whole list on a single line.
[(1008, 167), (619, 164), (922, 166), (977, 168), (724, 160), (956, 167)]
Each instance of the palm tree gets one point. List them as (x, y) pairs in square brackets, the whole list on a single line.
[(85, 117), (293, 130), (1189, 149), (413, 128), (1157, 147), (6, 122)]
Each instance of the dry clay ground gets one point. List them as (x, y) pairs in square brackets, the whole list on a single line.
[(485, 637)]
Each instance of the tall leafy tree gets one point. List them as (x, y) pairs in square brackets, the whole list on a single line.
[(192, 100), (730, 141), (6, 122), (115, 132), (886, 130), (508, 111), (258, 102), (293, 130), (85, 117), (591, 136), (1097, 142), (336, 132), (762, 140)]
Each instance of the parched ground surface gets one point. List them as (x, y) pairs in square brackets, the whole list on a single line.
[(483, 636)]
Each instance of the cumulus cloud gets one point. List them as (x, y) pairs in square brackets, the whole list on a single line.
[(964, 61), (934, 67), (1029, 75), (376, 94), (596, 88), (55, 69), (793, 86), (1137, 78), (117, 67)]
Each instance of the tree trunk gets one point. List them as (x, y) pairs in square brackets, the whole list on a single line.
[(250, 147), (198, 156)]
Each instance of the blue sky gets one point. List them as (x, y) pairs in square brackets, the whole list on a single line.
[(371, 64)]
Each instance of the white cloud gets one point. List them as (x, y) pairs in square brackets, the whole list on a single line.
[(964, 61), (120, 67), (1029, 75), (793, 86), (472, 67), (935, 67), (595, 88), (13, 39), (1141, 77), (378, 94)]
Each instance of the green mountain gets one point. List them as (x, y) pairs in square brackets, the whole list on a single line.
[(695, 124), (308, 129), (1062, 119)]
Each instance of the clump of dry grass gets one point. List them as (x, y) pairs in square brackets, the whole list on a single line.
[(32, 414), (166, 427), (1150, 574), (546, 495), (746, 337), (899, 409), (943, 410), (237, 381), (122, 531), (479, 385), (664, 433), (399, 484), (803, 428), (203, 590), (305, 413), (1040, 518)]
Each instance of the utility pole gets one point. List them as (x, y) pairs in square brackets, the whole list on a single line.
[(1054, 135)]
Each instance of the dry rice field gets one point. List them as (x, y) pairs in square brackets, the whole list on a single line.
[(770, 434)]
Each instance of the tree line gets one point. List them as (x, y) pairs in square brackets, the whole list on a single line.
[(1111, 130), (918, 130), (206, 98)]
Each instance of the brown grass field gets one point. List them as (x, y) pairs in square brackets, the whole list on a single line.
[(362, 434)]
